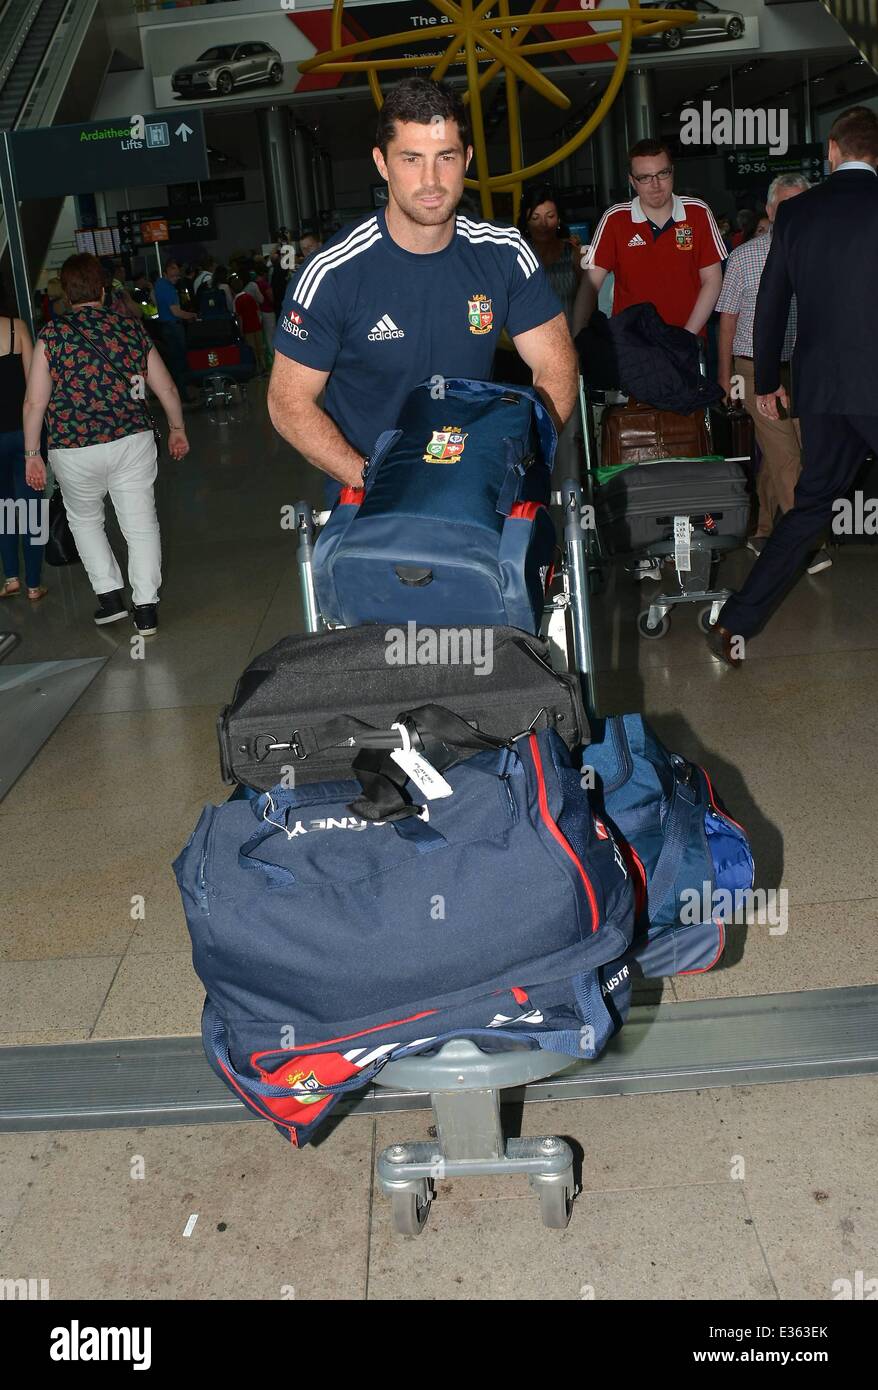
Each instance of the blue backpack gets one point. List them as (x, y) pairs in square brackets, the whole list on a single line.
[(211, 302), (329, 942), (452, 526), (690, 857)]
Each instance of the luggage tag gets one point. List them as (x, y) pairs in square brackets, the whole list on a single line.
[(682, 547), (428, 781)]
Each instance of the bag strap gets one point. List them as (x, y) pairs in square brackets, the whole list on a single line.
[(677, 830), (147, 414), (441, 734), (517, 463)]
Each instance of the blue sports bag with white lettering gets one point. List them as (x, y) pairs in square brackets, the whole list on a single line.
[(329, 940), (452, 524)]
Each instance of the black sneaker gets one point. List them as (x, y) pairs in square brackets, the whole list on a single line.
[(112, 607), (146, 619)]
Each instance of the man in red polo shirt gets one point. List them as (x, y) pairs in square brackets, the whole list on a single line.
[(662, 250)]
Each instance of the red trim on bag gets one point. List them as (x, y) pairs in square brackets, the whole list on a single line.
[(550, 577), (266, 1115), (702, 969), (309, 1047), (527, 510), (351, 496), (717, 808), (556, 833), (519, 995)]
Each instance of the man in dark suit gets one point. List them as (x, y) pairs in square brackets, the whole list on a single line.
[(825, 251)]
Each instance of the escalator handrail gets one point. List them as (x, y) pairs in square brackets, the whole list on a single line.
[(15, 25)]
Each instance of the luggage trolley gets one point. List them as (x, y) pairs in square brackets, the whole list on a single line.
[(463, 1082), (690, 552)]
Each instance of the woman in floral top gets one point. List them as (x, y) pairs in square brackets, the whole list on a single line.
[(88, 377)]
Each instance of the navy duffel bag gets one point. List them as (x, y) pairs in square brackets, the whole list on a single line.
[(693, 862), (452, 525), (328, 942)]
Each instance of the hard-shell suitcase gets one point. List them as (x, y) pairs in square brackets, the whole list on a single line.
[(636, 508), (288, 719)]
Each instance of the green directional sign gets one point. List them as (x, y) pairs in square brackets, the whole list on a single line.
[(125, 152)]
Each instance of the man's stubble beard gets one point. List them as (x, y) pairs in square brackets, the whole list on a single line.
[(428, 217)]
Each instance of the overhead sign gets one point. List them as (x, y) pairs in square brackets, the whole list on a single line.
[(138, 149), (228, 190), (754, 168), (155, 230), (146, 226)]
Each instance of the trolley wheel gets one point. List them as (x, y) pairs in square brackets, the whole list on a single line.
[(556, 1204), (704, 618), (653, 633), (409, 1212)]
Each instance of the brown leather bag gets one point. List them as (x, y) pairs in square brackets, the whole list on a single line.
[(636, 433)]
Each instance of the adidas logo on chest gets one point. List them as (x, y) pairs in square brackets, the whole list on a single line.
[(637, 240), (384, 330)]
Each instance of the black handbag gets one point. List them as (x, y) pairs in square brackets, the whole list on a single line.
[(148, 418), (60, 545)]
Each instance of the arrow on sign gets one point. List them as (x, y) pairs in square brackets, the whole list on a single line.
[(184, 131)]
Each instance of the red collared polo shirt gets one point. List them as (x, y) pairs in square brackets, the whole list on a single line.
[(660, 270)]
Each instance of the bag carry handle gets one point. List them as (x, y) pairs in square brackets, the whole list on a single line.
[(383, 780)]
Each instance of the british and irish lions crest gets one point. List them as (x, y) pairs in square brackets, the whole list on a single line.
[(480, 314), (446, 446)]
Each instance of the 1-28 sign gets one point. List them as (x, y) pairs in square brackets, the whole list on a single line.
[(143, 226)]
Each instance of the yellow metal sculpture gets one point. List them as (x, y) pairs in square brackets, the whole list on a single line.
[(488, 33)]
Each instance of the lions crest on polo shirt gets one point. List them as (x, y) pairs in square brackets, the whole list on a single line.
[(480, 314), (684, 236)]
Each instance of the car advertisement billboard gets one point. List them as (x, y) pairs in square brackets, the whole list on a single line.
[(252, 56)]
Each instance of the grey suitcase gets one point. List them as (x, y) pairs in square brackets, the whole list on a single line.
[(636, 508)]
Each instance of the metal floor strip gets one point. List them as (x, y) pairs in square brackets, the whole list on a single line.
[(672, 1047)]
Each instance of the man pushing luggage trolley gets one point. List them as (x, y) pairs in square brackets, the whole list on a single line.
[(415, 292)]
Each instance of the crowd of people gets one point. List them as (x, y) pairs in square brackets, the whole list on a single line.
[(369, 318), (76, 401)]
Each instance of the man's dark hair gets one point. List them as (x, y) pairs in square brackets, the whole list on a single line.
[(855, 132), (420, 100), (648, 149)]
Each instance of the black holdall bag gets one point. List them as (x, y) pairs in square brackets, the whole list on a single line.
[(296, 704), (60, 545)]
